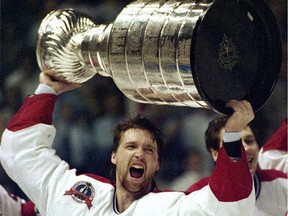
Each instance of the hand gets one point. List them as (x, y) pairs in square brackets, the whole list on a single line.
[(243, 114), (58, 86)]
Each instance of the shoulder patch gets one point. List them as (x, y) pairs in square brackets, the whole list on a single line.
[(82, 192)]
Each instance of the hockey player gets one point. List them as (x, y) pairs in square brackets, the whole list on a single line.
[(28, 158), (270, 185)]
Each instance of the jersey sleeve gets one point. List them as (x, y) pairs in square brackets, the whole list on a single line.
[(26, 153), (228, 191), (273, 154), (230, 180)]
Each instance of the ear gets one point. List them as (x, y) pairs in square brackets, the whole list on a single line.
[(158, 166), (214, 154), (113, 158)]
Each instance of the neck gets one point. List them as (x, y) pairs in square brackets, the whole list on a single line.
[(123, 201), (124, 198)]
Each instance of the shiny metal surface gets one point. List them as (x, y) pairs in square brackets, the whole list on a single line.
[(150, 52), (147, 51), (59, 45)]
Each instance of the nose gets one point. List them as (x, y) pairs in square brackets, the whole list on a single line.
[(139, 153), (246, 147)]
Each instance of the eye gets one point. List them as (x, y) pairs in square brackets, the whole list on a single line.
[(250, 141), (149, 150), (130, 147)]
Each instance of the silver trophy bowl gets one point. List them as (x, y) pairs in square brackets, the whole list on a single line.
[(184, 53)]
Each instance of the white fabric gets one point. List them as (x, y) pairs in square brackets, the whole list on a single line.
[(8, 205), (44, 177), (44, 89), (272, 200), (231, 136), (273, 159)]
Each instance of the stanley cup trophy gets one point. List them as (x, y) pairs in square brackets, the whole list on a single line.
[(185, 53)]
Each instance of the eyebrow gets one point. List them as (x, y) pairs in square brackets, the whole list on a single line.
[(150, 146), (145, 145), (249, 136), (130, 143)]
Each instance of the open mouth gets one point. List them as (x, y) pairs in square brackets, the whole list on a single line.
[(136, 171)]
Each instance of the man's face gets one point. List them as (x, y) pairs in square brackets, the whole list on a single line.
[(136, 161), (250, 146)]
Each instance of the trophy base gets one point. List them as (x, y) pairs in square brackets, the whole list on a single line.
[(236, 54)]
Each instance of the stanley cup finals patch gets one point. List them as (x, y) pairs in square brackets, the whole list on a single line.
[(82, 192)]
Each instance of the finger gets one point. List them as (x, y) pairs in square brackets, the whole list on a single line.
[(240, 106), (236, 106), (247, 105), (231, 103)]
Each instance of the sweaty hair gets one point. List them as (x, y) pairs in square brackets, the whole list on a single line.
[(143, 123), (140, 123), (212, 133)]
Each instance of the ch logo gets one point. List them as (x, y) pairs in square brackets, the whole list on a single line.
[(228, 55)]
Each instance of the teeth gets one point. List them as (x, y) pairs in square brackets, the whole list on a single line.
[(137, 167)]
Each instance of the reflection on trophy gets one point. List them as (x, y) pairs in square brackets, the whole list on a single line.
[(184, 53)]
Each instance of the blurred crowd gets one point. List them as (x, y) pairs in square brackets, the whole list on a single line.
[(85, 117)]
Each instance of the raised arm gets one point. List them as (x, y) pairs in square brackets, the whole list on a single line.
[(242, 115), (25, 151), (231, 179)]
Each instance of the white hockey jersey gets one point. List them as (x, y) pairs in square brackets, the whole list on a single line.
[(273, 154), (28, 158)]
